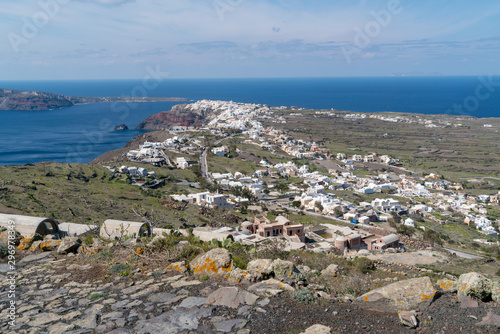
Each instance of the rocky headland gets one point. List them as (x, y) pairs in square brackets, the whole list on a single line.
[(180, 115), (32, 100)]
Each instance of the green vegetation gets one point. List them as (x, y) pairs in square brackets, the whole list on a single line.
[(119, 269), (82, 193), (464, 151), (4, 251), (304, 296), (96, 296)]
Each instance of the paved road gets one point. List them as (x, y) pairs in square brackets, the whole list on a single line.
[(203, 160), (464, 255), (204, 166)]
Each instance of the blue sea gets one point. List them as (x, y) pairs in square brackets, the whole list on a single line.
[(81, 133)]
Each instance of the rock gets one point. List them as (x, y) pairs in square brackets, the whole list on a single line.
[(44, 318), (60, 328), (363, 252), (120, 331), (228, 325), (35, 245), (446, 285), (264, 302), (495, 292), (408, 318), (401, 295), (238, 275), (231, 297), (286, 269), (243, 331), (145, 292), (261, 268), (49, 245), (332, 271), (131, 242), (89, 321), (491, 319), (178, 266), (270, 287), (318, 329), (183, 283), (69, 245), (468, 302), (121, 127), (161, 297), (192, 301), (173, 321), (216, 262), (474, 285)]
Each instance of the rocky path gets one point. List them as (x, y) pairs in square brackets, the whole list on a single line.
[(67, 295)]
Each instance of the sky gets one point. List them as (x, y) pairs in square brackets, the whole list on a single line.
[(122, 39)]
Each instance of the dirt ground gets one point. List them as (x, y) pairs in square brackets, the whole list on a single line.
[(422, 257)]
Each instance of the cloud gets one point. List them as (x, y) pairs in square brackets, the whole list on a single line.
[(204, 46), (108, 2)]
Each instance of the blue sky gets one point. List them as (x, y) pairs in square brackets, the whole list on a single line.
[(114, 39)]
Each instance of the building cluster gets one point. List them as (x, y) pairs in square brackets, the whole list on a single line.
[(347, 239)]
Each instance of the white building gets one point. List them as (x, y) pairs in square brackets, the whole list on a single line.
[(219, 151)]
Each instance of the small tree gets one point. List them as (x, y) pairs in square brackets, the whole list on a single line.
[(319, 206), (152, 218)]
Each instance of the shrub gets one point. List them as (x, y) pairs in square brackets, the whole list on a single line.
[(96, 296), (349, 285), (4, 251), (204, 278), (188, 253), (304, 296), (119, 268), (272, 249), (241, 254), (363, 264), (157, 273), (89, 239)]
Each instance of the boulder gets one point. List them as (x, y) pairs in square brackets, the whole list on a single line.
[(285, 270), (401, 296), (45, 245), (408, 318), (332, 271), (180, 266), (447, 285), (474, 285), (216, 262), (261, 268), (238, 275), (69, 245), (269, 288), (318, 329), (495, 292)]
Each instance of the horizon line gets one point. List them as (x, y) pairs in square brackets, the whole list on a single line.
[(260, 78)]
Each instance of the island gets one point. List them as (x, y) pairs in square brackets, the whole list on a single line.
[(121, 127), (32, 100)]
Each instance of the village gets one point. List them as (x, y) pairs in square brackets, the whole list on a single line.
[(404, 195)]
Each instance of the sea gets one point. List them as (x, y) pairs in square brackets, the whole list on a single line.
[(81, 133)]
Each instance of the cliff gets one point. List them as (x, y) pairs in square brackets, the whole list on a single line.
[(179, 115)]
